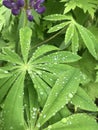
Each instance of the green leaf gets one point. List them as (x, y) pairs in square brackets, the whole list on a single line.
[(62, 92), (83, 101), (31, 105), (42, 50), (25, 39), (88, 39), (6, 85), (10, 56), (75, 122), (86, 5), (75, 41), (58, 27), (57, 17), (13, 106), (58, 57), (69, 33), (41, 87), (4, 73)]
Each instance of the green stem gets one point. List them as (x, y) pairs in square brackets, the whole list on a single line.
[(49, 39)]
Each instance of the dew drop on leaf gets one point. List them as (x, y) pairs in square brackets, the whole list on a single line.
[(64, 120), (70, 95), (49, 127), (38, 125)]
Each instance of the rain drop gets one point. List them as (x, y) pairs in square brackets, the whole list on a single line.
[(64, 120), (70, 95)]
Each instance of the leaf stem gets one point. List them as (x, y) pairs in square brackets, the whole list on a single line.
[(49, 39)]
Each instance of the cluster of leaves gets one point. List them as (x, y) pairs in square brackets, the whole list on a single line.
[(55, 85)]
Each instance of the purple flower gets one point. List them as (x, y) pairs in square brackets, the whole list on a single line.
[(29, 15), (20, 3), (16, 5), (37, 5), (7, 3)]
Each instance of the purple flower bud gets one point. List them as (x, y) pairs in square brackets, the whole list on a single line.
[(41, 10), (30, 18), (20, 3), (29, 15), (7, 3), (15, 11)]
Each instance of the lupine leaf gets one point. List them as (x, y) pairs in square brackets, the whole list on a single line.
[(58, 57), (88, 39), (25, 39), (13, 106), (83, 101), (4, 73), (75, 41), (58, 27), (62, 92), (75, 122), (31, 105), (11, 56), (57, 17), (42, 50), (41, 87), (69, 33), (6, 85), (87, 5)]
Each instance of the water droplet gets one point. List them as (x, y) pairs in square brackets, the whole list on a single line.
[(11, 128), (5, 71), (70, 95), (41, 93), (49, 127), (34, 109), (64, 120), (38, 125), (44, 116)]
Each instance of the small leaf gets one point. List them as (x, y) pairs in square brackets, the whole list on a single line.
[(57, 17), (4, 73), (62, 92), (31, 105), (58, 57), (75, 122), (42, 50), (88, 39), (83, 101), (10, 56), (75, 41), (69, 33), (58, 27), (13, 106), (25, 39), (41, 87)]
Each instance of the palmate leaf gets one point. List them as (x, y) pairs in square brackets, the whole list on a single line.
[(13, 106), (86, 5), (62, 92), (46, 60), (75, 122), (83, 101)]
